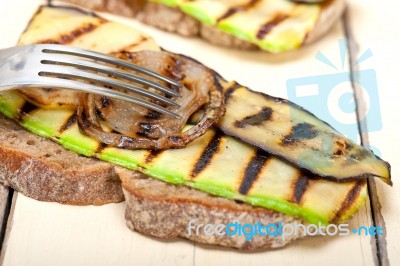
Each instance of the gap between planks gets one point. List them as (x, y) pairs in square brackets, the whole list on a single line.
[(378, 243), (7, 204)]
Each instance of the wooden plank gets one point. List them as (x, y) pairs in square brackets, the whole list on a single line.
[(379, 245), (374, 27), (49, 233), (10, 35), (54, 234)]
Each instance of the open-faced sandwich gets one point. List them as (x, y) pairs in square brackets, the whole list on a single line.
[(235, 155), (271, 25)]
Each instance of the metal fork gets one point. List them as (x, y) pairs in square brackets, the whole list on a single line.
[(53, 65)]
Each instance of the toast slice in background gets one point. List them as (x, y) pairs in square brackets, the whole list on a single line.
[(170, 18)]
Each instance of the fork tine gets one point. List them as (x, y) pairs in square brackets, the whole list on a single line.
[(61, 49), (95, 66), (89, 88), (68, 72)]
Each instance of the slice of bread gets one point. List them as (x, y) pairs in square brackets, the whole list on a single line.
[(44, 170), (164, 210), (173, 20)]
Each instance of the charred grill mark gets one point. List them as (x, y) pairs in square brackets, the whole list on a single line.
[(349, 146), (105, 102), (289, 104), (300, 187), (299, 132), (255, 120), (217, 83), (240, 8), (71, 36), (153, 154), (152, 115), (127, 56), (101, 147), (141, 134), (206, 157), (146, 129), (26, 109), (252, 171), (99, 114), (348, 201), (172, 68), (270, 25), (231, 90), (132, 46), (175, 139), (175, 69), (83, 121), (124, 142), (69, 122)]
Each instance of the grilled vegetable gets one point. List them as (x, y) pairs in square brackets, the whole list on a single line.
[(285, 129), (131, 126), (273, 25)]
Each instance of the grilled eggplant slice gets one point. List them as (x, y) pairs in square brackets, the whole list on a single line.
[(288, 131)]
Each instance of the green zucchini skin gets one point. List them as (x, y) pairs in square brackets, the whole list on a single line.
[(214, 163)]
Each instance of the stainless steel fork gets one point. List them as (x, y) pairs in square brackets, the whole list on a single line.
[(60, 66)]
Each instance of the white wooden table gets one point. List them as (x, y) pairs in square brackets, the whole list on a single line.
[(39, 233)]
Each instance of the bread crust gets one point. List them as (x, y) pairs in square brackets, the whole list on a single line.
[(164, 210), (43, 170)]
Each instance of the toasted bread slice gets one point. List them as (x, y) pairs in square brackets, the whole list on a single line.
[(44, 170), (163, 210), (173, 20)]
